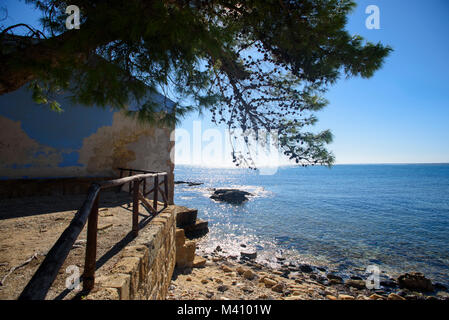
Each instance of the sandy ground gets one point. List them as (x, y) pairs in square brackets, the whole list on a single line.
[(30, 226)]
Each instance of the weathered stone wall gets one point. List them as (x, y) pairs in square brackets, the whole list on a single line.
[(146, 266)]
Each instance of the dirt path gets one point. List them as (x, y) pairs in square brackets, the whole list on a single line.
[(30, 226)]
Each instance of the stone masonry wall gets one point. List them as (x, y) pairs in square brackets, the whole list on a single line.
[(145, 269), (146, 265)]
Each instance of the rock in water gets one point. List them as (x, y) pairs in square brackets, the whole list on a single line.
[(305, 268), (248, 255), (415, 281), (388, 283), (189, 183), (334, 278), (233, 196), (358, 284)]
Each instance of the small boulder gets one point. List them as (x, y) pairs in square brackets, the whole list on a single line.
[(334, 279), (247, 289), (226, 269), (415, 281), (345, 297), (305, 268), (376, 297), (394, 296), (249, 274), (279, 288), (269, 282), (388, 283), (240, 270), (358, 284), (280, 258), (222, 288), (199, 262), (248, 255)]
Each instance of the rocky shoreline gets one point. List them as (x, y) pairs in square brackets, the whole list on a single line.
[(216, 276)]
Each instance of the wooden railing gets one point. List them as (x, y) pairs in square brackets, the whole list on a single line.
[(37, 288)]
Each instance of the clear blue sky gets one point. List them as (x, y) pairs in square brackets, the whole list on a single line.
[(401, 115)]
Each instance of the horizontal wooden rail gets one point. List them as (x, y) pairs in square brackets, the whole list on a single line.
[(37, 288)]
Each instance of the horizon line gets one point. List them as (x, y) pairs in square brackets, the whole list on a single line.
[(297, 165)]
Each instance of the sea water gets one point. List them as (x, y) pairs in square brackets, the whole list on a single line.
[(345, 218)]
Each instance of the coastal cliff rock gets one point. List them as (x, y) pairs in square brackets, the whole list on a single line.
[(233, 196)]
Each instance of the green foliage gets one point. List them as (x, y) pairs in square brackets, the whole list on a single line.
[(41, 97), (256, 65)]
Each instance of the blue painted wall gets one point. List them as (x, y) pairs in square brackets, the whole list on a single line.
[(47, 134), (65, 130), (58, 130)]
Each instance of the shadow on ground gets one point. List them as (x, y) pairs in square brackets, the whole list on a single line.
[(37, 205)]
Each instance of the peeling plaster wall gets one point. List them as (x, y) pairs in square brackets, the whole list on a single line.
[(79, 142)]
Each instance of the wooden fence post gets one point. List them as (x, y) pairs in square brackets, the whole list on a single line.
[(130, 174), (136, 207), (166, 189), (91, 248), (156, 191)]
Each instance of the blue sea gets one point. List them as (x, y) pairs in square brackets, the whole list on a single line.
[(344, 218)]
